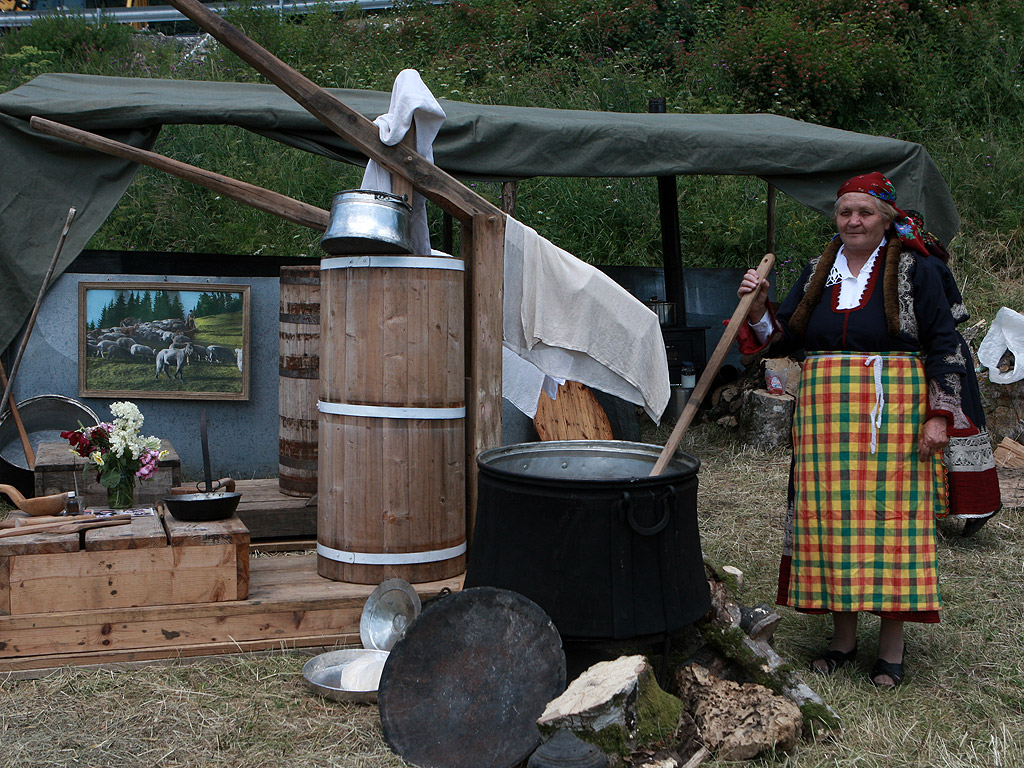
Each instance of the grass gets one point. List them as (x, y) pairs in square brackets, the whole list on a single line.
[(961, 706)]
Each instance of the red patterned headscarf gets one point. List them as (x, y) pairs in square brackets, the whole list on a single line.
[(877, 185)]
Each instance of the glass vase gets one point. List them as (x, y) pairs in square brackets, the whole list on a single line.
[(122, 494)]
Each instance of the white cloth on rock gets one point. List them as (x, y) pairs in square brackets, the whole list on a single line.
[(573, 322), (411, 102)]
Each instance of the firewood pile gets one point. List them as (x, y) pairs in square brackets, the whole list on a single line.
[(729, 694)]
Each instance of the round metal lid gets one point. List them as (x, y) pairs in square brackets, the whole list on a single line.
[(388, 612), (465, 686)]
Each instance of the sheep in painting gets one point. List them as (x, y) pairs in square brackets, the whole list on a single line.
[(238, 358), (176, 357), (141, 350)]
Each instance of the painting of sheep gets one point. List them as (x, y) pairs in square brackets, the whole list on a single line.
[(163, 340)]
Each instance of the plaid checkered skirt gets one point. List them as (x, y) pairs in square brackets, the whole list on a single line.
[(863, 517)]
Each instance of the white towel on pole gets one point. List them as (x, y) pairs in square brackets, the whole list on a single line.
[(573, 322), (411, 101)]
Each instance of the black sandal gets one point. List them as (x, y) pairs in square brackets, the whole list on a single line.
[(890, 669), (834, 660)]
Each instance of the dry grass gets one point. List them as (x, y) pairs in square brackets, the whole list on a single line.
[(962, 705)]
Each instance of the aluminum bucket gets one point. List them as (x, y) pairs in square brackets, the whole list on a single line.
[(368, 222)]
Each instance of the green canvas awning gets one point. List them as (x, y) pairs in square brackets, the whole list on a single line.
[(40, 177)]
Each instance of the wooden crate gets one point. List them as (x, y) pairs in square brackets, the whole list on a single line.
[(152, 561), (57, 470)]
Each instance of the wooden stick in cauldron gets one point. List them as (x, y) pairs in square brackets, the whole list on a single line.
[(739, 315)]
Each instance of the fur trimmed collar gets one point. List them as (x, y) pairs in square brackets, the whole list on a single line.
[(815, 287)]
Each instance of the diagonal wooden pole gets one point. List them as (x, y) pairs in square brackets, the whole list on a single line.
[(9, 385), (285, 207), (436, 185), (739, 315)]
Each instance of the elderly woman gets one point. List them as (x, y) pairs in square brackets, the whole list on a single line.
[(879, 393)]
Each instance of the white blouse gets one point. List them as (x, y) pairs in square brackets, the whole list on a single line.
[(851, 288)]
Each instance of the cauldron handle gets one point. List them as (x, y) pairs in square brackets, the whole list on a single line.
[(666, 502)]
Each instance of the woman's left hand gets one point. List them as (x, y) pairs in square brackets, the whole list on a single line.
[(933, 437)]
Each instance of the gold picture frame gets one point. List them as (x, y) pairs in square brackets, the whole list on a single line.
[(164, 340)]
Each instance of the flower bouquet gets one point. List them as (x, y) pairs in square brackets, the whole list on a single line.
[(118, 452)]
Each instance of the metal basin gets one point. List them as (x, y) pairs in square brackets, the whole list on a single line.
[(326, 673), (44, 417)]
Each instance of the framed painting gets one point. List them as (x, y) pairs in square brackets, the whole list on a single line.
[(163, 340)]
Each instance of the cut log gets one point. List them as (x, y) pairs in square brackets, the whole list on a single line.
[(721, 629), (1009, 453), (738, 721), (616, 706), (766, 420)]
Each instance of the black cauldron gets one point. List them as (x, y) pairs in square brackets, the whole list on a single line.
[(580, 528)]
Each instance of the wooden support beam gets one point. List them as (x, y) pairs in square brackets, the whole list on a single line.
[(483, 251), (287, 208), (436, 185)]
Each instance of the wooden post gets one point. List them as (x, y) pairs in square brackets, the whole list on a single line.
[(508, 197), (483, 246)]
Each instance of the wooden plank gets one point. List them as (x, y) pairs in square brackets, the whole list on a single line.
[(39, 544), (27, 668), (1011, 486), (277, 524), (288, 583), (283, 545), (401, 159), (144, 532), (262, 199), (574, 415), (5, 585), (185, 533), (483, 247), (290, 606), (183, 630), (123, 578), (1009, 453)]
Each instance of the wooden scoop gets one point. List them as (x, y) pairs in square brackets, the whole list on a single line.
[(69, 526), (41, 505)]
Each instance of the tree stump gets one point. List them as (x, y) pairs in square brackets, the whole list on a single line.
[(615, 705), (766, 420)]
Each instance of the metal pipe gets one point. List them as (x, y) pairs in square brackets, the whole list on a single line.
[(672, 257)]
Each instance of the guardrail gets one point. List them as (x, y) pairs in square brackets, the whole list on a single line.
[(155, 13)]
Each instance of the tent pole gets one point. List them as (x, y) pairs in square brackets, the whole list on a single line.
[(770, 244), (671, 255)]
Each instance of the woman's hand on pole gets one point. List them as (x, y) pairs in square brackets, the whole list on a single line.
[(933, 437), (751, 282)]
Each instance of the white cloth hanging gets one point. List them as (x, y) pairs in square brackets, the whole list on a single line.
[(573, 322), (411, 102)]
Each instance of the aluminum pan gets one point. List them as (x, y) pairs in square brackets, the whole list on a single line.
[(323, 673), (44, 417), (388, 612)]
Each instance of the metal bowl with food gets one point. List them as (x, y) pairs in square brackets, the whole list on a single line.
[(352, 674)]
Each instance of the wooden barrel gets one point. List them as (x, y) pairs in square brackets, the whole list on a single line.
[(299, 380), (392, 410)]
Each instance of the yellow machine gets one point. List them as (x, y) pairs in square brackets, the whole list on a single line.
[(15, 5)]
